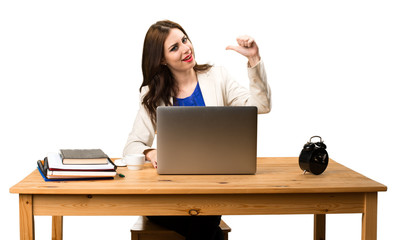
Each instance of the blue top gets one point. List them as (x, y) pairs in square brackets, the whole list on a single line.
[(196, 99)]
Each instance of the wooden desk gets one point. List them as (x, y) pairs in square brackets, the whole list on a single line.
[(279, 187)]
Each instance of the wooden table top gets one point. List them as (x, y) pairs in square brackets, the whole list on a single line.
[(274, 175)]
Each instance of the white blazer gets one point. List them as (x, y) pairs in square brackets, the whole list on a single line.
[(218, 89)]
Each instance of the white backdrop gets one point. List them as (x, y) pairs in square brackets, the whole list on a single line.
[(70, 73)]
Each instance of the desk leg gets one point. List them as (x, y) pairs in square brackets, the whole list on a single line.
[(26, 217), (319, 226), (369, 218), (57, 227)]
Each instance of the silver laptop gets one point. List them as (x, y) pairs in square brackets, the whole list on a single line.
[(206, 140)]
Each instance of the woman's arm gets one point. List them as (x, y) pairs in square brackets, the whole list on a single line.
[(259, 93), (142, 134)]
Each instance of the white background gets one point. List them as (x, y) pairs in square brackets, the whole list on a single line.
[(70, 73)]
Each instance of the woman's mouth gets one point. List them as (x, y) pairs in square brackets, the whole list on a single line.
[(188, 58)]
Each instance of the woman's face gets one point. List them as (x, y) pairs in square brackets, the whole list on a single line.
[(178, 51)]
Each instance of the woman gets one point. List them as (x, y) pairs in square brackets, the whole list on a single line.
[(171, 76)]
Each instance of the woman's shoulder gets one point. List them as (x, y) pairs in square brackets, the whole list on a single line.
[(144, 90), (214, 72)]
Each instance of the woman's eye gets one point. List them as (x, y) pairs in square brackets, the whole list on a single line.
[(174, 48), (184, 40)]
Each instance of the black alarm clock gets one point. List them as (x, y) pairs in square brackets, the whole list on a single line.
[(314, 158)]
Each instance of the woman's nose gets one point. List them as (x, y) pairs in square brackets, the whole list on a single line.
[(186, 48)]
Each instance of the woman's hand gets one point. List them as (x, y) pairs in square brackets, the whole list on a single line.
[(248, 48), (151, 155)]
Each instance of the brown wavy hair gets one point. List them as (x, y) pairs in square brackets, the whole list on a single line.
[(159, 79)]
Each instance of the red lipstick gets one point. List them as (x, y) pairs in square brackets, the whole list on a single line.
[(189, 58)]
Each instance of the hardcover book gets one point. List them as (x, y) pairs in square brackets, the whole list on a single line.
[(83, 156)]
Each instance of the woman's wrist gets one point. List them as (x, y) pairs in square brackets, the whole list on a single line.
[(254, 60)]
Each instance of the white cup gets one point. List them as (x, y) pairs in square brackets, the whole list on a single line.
[(134, 161)]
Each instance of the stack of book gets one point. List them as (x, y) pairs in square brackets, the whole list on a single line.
[(77, 164)]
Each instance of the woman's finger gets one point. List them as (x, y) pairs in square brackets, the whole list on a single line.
[(245, 41)]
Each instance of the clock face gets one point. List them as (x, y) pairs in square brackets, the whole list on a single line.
[(320, 157), (319, 161)]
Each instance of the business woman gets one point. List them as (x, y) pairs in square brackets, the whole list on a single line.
[(171, 77)]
